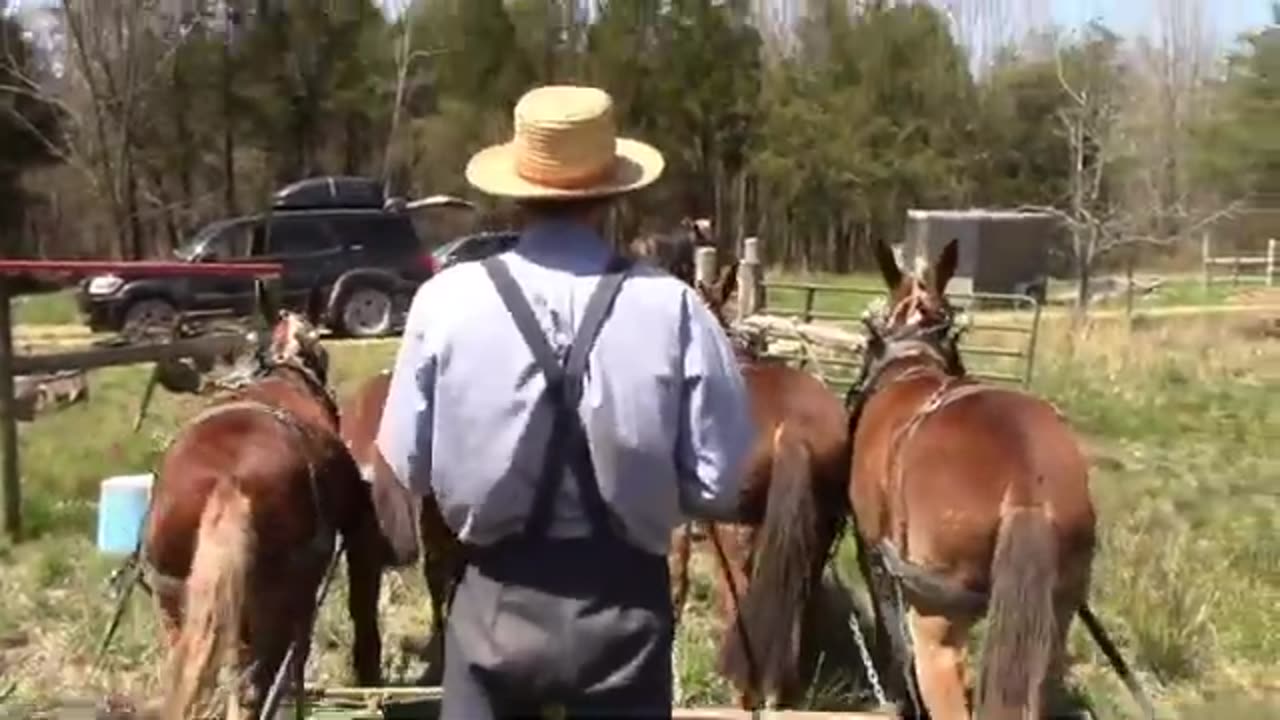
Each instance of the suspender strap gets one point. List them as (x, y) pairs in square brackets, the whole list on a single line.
[(526, 322), (568, 447)]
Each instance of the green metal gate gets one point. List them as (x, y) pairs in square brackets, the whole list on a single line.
[(1000, 344)]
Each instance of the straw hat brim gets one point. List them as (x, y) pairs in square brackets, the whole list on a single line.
[(493, 171)]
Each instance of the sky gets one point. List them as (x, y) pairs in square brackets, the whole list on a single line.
[(1228, 18)]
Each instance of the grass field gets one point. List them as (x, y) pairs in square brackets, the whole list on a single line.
[(1180, 416), (60, 308), (50, 309)]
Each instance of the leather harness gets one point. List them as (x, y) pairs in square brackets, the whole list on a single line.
[(321, 545)]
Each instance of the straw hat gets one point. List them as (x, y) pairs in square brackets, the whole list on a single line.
[(565, 147)]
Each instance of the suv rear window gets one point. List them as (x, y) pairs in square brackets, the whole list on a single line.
[(381, 234)]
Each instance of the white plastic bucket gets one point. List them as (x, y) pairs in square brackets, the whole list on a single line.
[(122, 508)]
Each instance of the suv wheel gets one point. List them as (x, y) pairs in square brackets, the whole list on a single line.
[(148, 314), (365, 312)]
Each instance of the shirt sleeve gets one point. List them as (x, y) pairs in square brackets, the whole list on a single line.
[(717, 428), (405, 433)]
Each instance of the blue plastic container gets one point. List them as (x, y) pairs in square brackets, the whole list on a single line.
[(122, 507)]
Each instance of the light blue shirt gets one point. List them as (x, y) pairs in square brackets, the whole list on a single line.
[(664, 405)]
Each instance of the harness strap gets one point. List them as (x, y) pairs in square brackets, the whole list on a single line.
[(950, 391), (568, 444), (322, 541)]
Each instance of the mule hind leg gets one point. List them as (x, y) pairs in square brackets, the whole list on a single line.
[(940, 664), (1067, 602), (364, 578)]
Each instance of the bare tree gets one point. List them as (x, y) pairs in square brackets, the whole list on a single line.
[(1170, 70), (111, 56), (1102, 212)]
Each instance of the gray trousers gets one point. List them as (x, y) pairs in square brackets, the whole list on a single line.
[(579, 627)]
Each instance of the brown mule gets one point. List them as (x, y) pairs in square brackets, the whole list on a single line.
[(968, 499), (411, 525), (673, 251), (248, 498), (792, 509)]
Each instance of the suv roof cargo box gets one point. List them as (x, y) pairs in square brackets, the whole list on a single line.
[(330, 191)]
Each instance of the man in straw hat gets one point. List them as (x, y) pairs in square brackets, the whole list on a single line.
[(568, 410)]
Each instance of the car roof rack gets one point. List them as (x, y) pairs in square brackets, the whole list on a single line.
[(330, 191)]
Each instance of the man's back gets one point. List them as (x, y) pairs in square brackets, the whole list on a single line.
[(663, 404)]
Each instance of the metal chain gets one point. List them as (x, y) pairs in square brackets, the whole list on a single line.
[(865, 654), (864, 651)]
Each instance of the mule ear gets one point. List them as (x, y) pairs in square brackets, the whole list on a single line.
[(702, 230), (888, 265), (945, 268), (728, 281)]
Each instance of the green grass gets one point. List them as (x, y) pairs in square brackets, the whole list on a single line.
[(847, 304), (1179, 416), (1175, 291), (48, 309)]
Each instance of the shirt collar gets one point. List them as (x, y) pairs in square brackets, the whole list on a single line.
[(558, 241)]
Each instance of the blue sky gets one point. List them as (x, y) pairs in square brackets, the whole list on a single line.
[(1229, 18)]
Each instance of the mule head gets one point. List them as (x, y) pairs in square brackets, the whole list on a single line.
[(717, 294), (295, 341), (700, 230), (918, 298), (918, 309)]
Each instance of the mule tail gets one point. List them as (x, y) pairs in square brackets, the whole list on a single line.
[(215, 592), (1021, 632), (761, 651)]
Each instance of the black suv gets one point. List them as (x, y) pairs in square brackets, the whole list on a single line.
[(476, 246), (337, 238)]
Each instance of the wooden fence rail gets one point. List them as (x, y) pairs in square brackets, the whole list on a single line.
[(1254, 268), (350, 703)]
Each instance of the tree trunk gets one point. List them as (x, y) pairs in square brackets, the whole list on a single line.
[(183, 132), (1084, 261), (1129, 261), (228, 135)]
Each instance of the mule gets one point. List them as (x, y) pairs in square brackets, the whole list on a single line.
[(251, 497), (412, 526), (792, 508), (969, 499), (674, 251)]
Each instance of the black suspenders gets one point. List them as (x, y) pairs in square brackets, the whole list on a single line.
[(568, 447)]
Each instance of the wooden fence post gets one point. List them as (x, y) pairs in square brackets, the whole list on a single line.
[(1205, 261), (749, 278), (704, 265), (8, 424), (1273, 246)]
